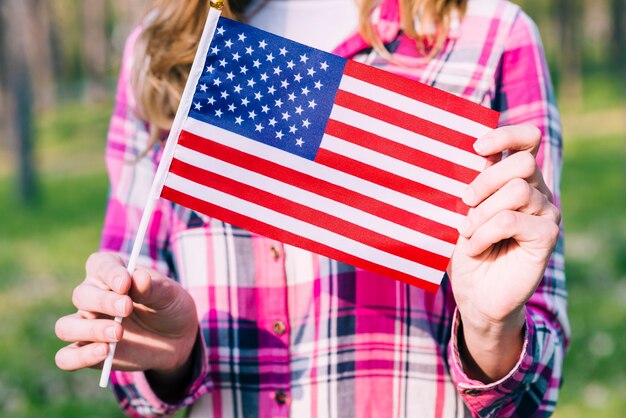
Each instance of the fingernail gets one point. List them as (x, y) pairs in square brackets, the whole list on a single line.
[(469, 196), (120, 305), (464, 228), (118, 284), (480, 146), (111, 333), (100, 350)]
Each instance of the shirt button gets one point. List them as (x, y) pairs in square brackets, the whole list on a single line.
[(279, 327), (275, 252), (280, 397)]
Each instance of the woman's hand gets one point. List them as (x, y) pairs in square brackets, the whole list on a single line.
[(505, 245), (159, 329)]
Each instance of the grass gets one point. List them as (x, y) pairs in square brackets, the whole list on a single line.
[(43, 248), (42, 251), (594, 187)]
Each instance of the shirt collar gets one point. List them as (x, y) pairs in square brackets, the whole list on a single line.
[(386, 20)]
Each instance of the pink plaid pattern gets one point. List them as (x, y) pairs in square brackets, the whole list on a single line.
[(290, 333)]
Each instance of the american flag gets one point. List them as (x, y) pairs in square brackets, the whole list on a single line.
[(327, 154)]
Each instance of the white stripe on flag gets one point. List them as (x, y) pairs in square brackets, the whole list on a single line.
[(303, 229), (407, 137), (340, 178), (314, 201), (392, 165), (413, 107)]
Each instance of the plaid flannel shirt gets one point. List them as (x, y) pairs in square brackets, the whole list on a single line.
[(290, 333)]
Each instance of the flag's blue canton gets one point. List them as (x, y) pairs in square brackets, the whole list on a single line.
[(267, 88)]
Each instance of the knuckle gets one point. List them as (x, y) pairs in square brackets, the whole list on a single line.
[(533, 133), (93, 262), (556, 214), (527, 163), (83, 356), (549, 209), (506, 221), (521, 190), (546, 205), (502, 136), (103, 263), (94, 334), (482, 182), (77, 296), (553, 232)]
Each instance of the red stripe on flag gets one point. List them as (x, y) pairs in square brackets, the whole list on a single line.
[(264, 229), (311, 216), (423, 93), (321, 187), (400, 151), (405, 120), (391, 181)]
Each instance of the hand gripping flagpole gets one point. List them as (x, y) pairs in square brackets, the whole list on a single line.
[(166, 159)]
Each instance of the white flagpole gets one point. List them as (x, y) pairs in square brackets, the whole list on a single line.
[(166, 159)]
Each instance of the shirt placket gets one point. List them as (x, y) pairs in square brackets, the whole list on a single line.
[(273, 323)]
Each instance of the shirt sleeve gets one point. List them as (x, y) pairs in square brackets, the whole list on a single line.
[(131, 163), (524, 94), (137, 399)]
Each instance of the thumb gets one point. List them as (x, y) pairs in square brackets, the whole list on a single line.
[(152, 289)]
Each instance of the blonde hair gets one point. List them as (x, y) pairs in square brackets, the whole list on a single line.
[(168, 42), (163, 56), (426, 21)]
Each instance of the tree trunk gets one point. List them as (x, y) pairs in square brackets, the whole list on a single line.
[(36, 37), (42, 50), (4, 131), (95, 47), (128, 14), (618, 37), (18, 94), (570, 52)]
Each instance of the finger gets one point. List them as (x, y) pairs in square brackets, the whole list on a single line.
[(509, 138), (108, 271), (73, 328), (536, 232), (516, 195), (87, 314), (91, 298), (76, 356), (521, 165), (152, 289), (493, 159)]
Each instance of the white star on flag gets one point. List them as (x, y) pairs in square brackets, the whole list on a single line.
[(324, 153)]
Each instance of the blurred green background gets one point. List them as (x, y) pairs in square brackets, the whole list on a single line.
[(55, 102)]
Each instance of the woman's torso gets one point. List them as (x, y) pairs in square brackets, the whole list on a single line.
[(294, 333)]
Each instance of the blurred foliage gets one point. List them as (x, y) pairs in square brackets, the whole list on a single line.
[(43, 246), (595, 220), (41, 256)]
